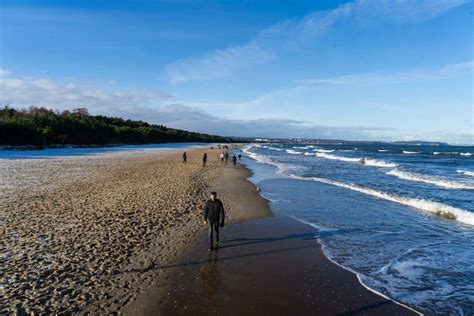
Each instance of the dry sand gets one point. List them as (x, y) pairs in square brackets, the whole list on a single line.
[(83, 234)]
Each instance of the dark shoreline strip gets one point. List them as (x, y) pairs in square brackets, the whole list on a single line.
[(266, 266)]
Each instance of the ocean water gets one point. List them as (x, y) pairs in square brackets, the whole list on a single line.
[(401, 217), (79, 151)]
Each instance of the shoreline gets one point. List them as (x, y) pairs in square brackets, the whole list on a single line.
[(357, 274), (122, 232), (188, 270), (340, 265)]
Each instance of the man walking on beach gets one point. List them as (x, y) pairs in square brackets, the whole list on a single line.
[(185, 157), (214, 216), (204, 160), (234, 159)]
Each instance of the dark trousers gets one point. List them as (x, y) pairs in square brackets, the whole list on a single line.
[(213, 229)]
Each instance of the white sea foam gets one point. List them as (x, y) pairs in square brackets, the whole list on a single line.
[(324, 150), (446, 153), (272, 148), (309, 154), (255, 156), (382, 150), (440, 182), (466, 172), (380, 163), (283, 168), (333, 157), (293, 152), (328, 255), (437, 208), (466, 154), (410, 152), (304, 147), (369, 162)]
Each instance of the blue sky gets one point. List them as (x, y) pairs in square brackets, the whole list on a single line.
[(364, 69)]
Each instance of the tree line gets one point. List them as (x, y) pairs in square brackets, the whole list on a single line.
[(38, 126)]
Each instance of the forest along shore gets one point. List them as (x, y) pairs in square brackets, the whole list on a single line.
[(86, 231)]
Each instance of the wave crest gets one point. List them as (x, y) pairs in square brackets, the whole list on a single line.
[(368, 162), (293, 152), (437, 208), (466, 172), (430, 180)]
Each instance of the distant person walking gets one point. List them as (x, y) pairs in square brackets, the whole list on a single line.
[(185, 157), (234, 160), (226, 157), (214, 216), (240, 157), (222, 157), (204, 160)]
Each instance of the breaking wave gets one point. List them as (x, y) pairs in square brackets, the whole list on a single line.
[(466, 172), (443, 183), (380, 163), (437, 208), (324, 150), (452, 153), (293, 152), (369, 162), (272, 148)]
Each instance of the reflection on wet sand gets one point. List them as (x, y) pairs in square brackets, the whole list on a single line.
[(210, 277)]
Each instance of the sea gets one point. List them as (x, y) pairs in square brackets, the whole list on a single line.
[(6, 153), (401, 217)]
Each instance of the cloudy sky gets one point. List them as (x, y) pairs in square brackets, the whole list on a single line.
[(366, 69)]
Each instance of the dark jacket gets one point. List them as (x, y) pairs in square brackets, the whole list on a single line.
[(214, 211)]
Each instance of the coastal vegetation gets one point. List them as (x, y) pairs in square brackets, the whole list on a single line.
[(41, 127)]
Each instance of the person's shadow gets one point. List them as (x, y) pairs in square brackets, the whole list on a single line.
[(210, 277)]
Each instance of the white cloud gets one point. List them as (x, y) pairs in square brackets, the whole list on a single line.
[(416, 75), (264, 47), (27, 91), (186, 117), (192, 118), (4, 72), (218, 63), (141, 105)]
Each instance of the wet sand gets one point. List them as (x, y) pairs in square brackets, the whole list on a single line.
[(270, 266)]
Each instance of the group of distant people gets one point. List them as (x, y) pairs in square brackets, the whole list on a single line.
[(214, 209), (224, 156)]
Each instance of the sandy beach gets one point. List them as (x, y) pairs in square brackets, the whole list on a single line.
[(79, 233), (123, 232)]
